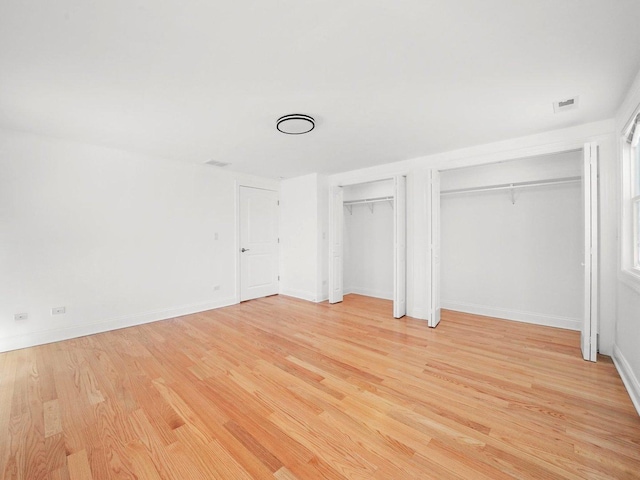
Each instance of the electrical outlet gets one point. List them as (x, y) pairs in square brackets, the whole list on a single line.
[(58, 311), (215, 236), (216, 288), (20, 316)]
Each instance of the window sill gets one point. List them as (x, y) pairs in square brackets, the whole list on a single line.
[(631, 277)]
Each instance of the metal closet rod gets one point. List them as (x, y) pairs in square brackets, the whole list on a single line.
[(511, 186), (369, 200)]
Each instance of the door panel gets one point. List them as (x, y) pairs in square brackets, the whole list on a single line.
[(336, 207), (589, 331), (435, 309), (400, 248), (259, 240)]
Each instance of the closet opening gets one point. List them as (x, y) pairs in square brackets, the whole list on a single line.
[(518, 240), (368, 238)]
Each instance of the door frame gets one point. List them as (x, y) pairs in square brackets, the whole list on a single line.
[(238, 185), (591, 186), (336, 247), (332, 233), (399, 246), (435, 297)]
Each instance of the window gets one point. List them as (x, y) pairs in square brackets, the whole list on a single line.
[(631, 199), (635, 197)]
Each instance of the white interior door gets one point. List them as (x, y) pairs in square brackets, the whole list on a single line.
[(400, 248), (258, 243), (336, 207), (434, 241), (589, 332)]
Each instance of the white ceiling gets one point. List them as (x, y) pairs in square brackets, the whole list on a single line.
[(201, 80)]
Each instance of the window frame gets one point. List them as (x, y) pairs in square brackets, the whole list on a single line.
[(635, 204), (630, 203)]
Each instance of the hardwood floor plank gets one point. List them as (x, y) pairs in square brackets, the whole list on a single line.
[(285, 474), (169, 462), (78, 464), (56, 455), (258, 450), (286, 389), (52, 421), (60, 474), (141, 463)]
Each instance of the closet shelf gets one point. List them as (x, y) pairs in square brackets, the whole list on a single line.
[(369, 201), (512, 186)]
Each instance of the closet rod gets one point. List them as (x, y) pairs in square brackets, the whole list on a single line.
[(368, 200), (511, 186)]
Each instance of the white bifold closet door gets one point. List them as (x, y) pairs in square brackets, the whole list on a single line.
[(400, 248), (434, 244), (336, 262), (589, 331)]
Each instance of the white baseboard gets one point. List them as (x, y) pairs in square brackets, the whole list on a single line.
[(369, 293), (516, 315), (56, 335), (628, 377), (301, 294)]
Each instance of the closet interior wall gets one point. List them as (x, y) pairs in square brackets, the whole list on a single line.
[(515, 254), (368, 239)]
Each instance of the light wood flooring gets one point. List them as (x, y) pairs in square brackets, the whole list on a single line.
[(282, 388)]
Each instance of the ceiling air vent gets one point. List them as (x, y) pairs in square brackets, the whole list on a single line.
[(566, 104), (215, 163)]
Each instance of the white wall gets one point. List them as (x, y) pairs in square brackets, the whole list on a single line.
[(627, 352), (299, 237), (323, 239), (539, 168), (368, 250), (368, 240), (627, 336), (518, 261), (116, 238), (304, 244), (369, 190)]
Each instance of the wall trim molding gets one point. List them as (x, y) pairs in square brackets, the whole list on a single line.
[(628, 377), (33, 339), (369, 293), (301, 294), (515, 315)]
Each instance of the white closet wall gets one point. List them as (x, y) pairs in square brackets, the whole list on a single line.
[(519, 261), (368, 241)]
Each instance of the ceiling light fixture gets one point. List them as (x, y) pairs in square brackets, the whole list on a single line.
[(295, 124)]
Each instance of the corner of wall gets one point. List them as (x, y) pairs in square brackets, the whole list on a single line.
[(629, 379)]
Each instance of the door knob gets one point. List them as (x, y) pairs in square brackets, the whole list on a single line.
[(244, 250)]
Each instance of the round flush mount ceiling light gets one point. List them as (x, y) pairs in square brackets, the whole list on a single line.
[(295, 124)]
